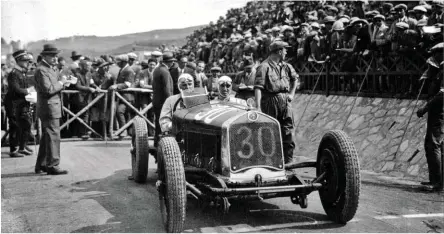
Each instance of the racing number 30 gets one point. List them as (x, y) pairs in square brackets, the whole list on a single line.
[(248, 142)]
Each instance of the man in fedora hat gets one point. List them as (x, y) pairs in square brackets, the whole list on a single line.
[(162, 88), (76, 57), (18, 88), (49, 110)]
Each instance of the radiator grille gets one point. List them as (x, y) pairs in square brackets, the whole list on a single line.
[(255, 143)]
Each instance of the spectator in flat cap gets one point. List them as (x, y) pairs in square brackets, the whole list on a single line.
[(80, 101), (363, 40), (401, 7), (275, 31), (378, 34), (201, 77), (420, 13), (400, 16), (337, 35), (331, 10), (437, 13), (157, 55), (386, 7), (102, 75), (132, 57), (243, 83), (125, 79), (211, 83), (76, 57)]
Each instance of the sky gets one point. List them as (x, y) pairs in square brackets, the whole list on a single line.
[(31, 20)]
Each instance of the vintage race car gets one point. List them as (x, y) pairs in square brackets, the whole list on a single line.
[(219, 152)]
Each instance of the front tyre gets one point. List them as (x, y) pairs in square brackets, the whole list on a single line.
[(171, 184), (140, 151), (338, 159)]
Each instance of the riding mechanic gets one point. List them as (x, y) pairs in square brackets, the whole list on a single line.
[(275, 85)]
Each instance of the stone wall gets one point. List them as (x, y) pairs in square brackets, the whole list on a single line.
[(376, 126)]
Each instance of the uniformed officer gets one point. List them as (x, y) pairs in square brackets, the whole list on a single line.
[(18, 88), (434, 139), (275, 85)]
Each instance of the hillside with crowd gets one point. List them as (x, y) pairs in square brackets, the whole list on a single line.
[(317, 31)]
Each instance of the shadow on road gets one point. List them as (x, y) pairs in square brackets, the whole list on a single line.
[(404, 187), (135, 208), (21, 174), (108, 145)]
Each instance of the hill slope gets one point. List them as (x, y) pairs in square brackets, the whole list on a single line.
[(95, 46)]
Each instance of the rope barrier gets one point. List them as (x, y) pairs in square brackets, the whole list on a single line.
[(354, 100)]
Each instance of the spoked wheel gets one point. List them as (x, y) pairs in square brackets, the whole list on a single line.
[(139, 151), (171, 184), (338, 160)]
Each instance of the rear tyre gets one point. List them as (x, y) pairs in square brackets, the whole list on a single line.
[(338, 158), (140, 151), (171, 184)]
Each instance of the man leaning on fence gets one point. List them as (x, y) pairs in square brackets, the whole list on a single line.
[(17, 90), (275, 85), (82, 99), (124, 80), (49, 110)]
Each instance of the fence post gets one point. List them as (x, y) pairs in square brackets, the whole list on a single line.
[(105, 104), (327, 77), (112, 110)]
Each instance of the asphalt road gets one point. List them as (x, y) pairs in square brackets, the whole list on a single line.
[(97, 197)]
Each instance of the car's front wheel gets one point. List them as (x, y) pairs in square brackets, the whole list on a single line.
[(140, 151), (338, 164), (171, 184)]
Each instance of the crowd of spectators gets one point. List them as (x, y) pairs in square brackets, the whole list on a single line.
[(317, 30)]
